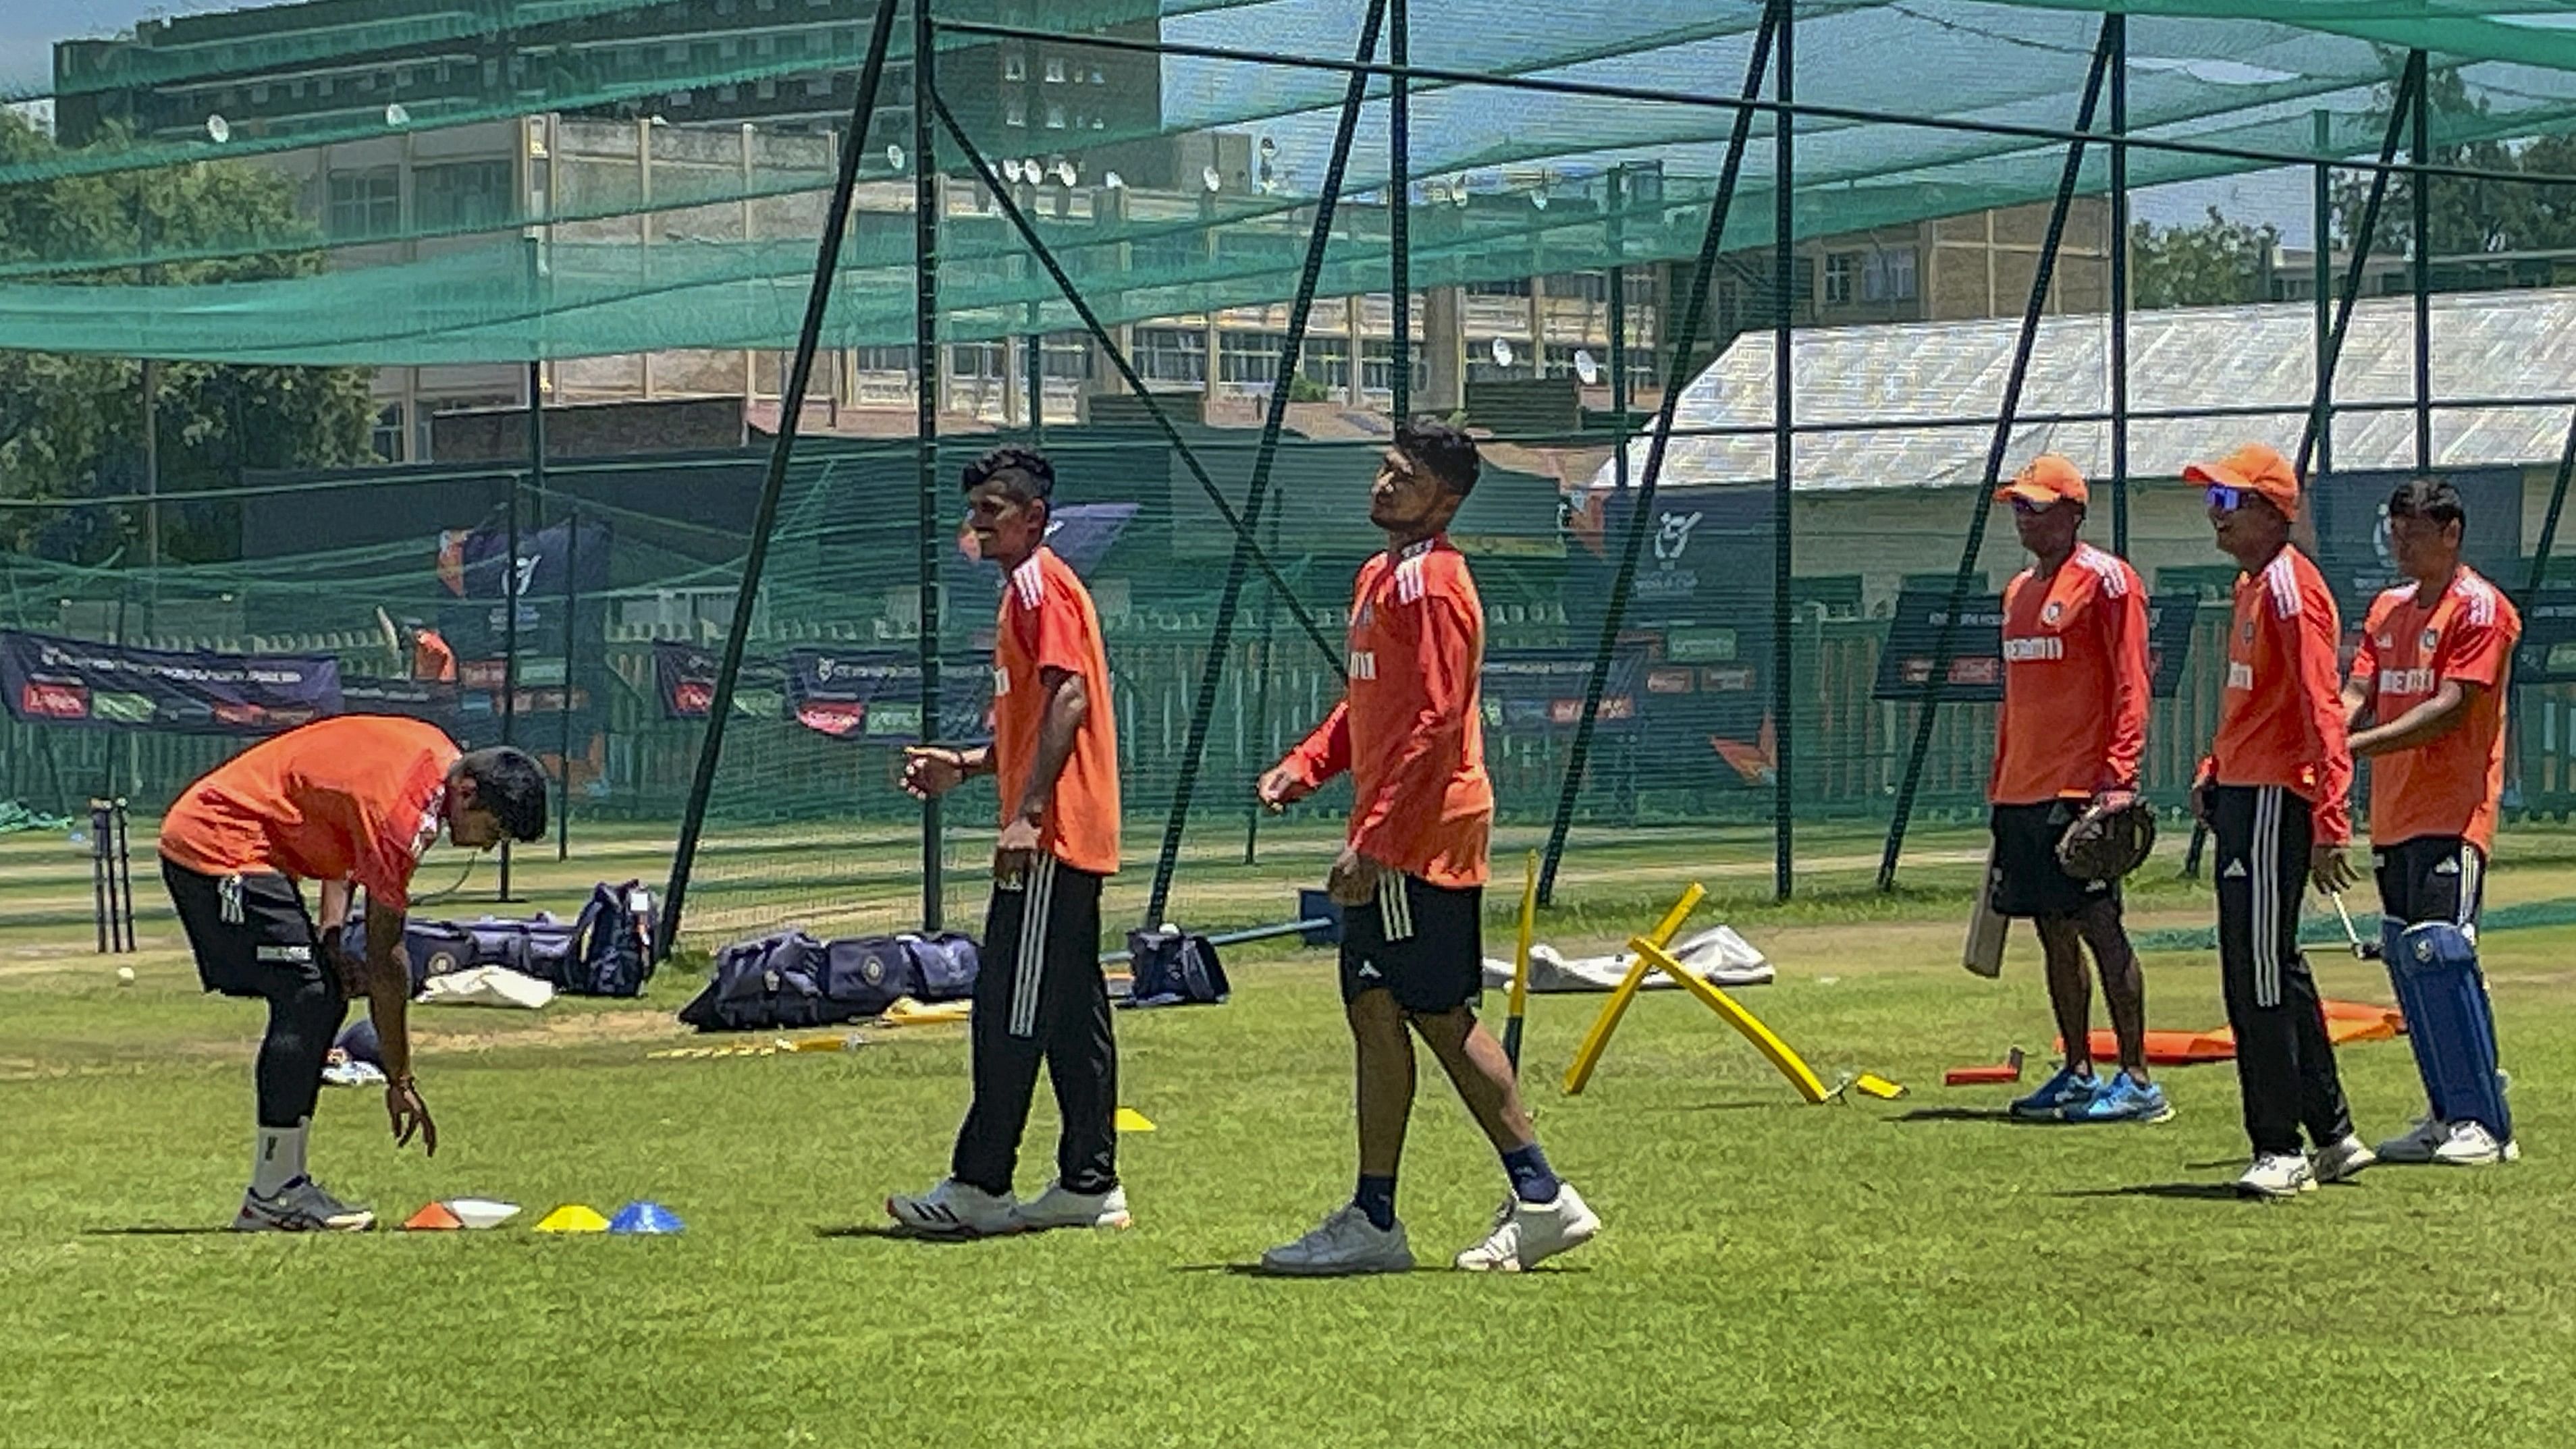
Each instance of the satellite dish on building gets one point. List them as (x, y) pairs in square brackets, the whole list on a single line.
[(1113, 181), (1585, 368), (894, 156), (1503, 353), (1209, 178), (1538, 198), (1065, 172), (1011, 169), (1458, 193), (219, 128), (396, 115), (1269, 147)]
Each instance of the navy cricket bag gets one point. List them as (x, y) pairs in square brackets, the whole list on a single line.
[(1174, 968), (610, 957), (944, 966), (792, 980)]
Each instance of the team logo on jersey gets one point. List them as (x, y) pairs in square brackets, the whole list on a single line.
[(2387, 641), (2056, 609), (431, 817), (2432, 639), (2249, 631)]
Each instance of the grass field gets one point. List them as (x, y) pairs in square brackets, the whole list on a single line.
[(1883, 1274)]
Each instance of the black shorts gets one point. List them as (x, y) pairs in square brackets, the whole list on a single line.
[(2027, 881), (1422, 942), (250, 933), (2431, 878)]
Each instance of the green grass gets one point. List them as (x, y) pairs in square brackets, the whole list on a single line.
[(1882, 1274)]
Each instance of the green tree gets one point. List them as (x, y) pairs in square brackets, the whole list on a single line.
[(2213, 264), (71, 426), (2465, 217)]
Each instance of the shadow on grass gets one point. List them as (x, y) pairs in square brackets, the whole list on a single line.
[(2172, 1191), (1255, 1270), (897, 1233), (2000, 1115), (157, 1230)]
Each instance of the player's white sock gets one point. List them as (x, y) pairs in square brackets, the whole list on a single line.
[(278, 1158)]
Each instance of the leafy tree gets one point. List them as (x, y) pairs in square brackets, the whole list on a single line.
[(71, 426), (2215, 263), (2465, 217)]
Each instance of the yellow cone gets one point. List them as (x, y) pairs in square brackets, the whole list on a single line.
[(1131, 1120), (1878, 1086), (572, 1217)]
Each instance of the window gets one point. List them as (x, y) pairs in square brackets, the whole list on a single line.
[(387, 437), (1590, 286), (1327, 360), (1841, 271), (1097, 78), (818, 85), (972, 360), (882, 359), (677, 53), (1055, 116), (461, 195), (1249, 357), (1889, 276), (1055, 70), (1377, 367), (365, 203), (1515, 288), (1015, 112), (295, 89), (1171, 354), (1068, 359), (323, 87), (1015, 66), (767, 89), (1100, 123)]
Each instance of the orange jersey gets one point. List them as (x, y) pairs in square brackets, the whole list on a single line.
[(2448, 787), (2074, 720), (1048, 623), (2282, 719), (1410, 730), (356, 797), (431, 658)]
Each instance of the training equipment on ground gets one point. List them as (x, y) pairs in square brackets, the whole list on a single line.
[(792, 980), (2363, 950), (599, 953), (2451, 1024), (2107, 842), (1588, 1055), (111, 871), (573, 1217), (1717, 956), (1779, 1053), (1868, 1084), (481, 1213), (1131, 1120), (2346, 1022), (1173, 967), (486, 986), (435, 1218), (1519, 1000), (644, 1218), (2009, 1070), (1983, 954)]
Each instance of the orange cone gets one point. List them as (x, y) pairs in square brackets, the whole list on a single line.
[(431, 1219)]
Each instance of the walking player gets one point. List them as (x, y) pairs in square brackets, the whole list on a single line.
[(2431, 673), (1411, 875), (2272, 793), (350, 801), (1040, 994), (2074, 724)]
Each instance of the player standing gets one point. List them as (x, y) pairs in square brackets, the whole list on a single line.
[(350, 801), (2071, 732), (2272, 792), (2431, 674), (1411, 875), (1040, 995)]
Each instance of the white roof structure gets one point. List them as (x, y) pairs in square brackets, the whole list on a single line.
[(2492, 347)]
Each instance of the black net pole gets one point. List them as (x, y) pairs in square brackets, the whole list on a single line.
[(1257, 494), (818, 299), (1252, 809), (929, 200), (2120, 284), (1324, 647), (1694, 315), (1399, 208), (2409, 93), (1784, 398), (563, 701), (2421, 190), (510, 594), (1928, 707)]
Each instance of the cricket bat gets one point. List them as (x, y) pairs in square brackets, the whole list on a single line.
[(1521, 963), (1985, 949)]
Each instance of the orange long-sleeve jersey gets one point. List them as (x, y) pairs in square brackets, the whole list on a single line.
[(2282, 719), (2408, 648), (1047, 622), (1410, 730), (355, 797), (2074, 720)]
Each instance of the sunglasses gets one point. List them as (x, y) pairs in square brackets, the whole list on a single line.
[(2226, 499), (2028, 509)]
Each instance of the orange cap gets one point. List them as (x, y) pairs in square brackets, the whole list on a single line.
[(2047, 479), (2253, 467)]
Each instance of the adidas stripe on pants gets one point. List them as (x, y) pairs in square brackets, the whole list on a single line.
[(1040, 996), (2285, 1066)]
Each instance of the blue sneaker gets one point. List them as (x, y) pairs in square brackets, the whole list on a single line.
[(2059, 1092), (2122, 1099)]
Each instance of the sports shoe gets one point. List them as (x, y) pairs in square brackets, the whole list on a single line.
[(2470, 1144), (1527, 1234), (2344, 1160), (2058, 1093), (2417, 1143), (1344, 1243), (300, 1207), (1059, 1208), (2277, 1174), (2123, 1098), (955, 1210)]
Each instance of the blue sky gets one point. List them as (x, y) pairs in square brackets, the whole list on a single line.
[(28, 29)]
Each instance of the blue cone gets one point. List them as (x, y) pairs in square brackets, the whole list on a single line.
[(641, 1216)]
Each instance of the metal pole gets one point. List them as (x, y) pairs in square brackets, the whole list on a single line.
[(2321, 410), (2120, 285), (2422, 193), (1252, 810), (827, 261), (929, 200), (1784, 397), (2409, 93), (1618, 238), (1929, 705), (1257, 494), (510, 592), (1694, 312), (1325, 648), (572, 632), (1036, 380), (1399, 204)]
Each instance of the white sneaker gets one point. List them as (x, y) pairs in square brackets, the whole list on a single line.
[(300, 1207), (2417, 1145), (2470, 1144), (1529, 1233), (2277, 1174), (955, 1210), (1344, 1243), (2344, 1160), (1058, 1208)]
